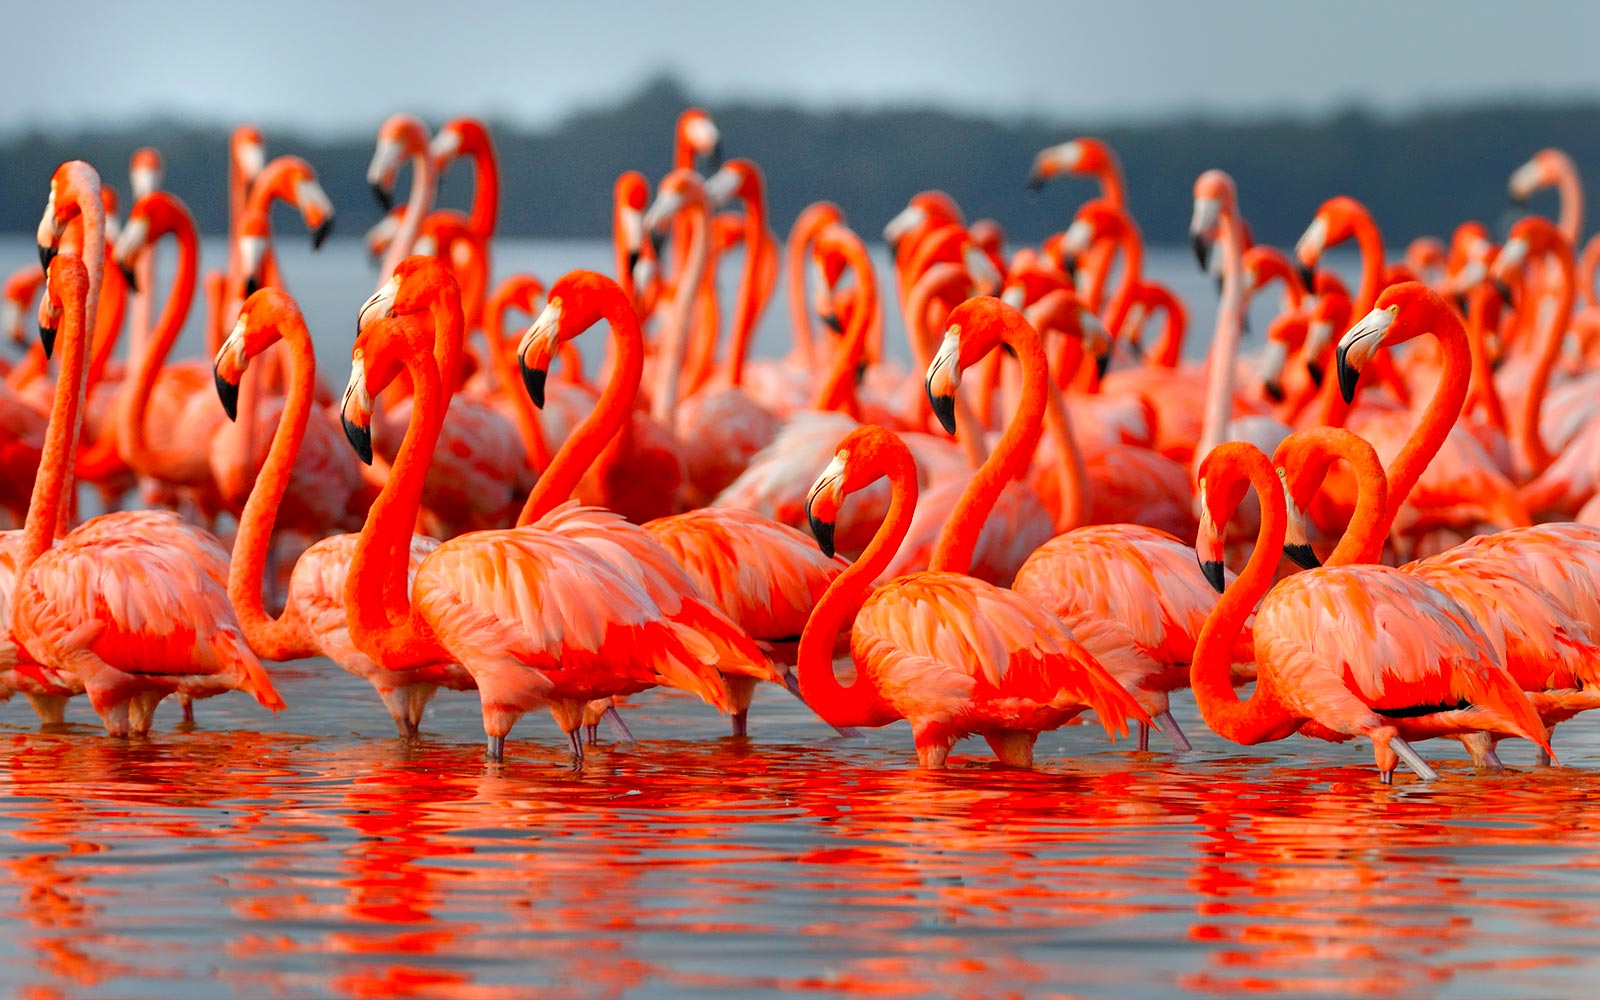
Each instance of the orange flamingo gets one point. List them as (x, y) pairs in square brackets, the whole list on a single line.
[(950, 654), (313, 621), (535, 614), (1551, 167), (1340, 652), (1546, 651), (402, 137), (123, 617)]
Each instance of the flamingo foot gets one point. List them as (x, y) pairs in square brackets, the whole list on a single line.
[(791, 683), (1413, 761), (497, 748), (741, 723), (1169, 728), (620, 728)]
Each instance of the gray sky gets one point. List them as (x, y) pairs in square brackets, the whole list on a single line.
[(328, 64)]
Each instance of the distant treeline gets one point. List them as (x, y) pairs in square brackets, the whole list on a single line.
[(1420, 174)]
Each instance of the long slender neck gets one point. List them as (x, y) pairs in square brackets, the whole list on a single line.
[(1122, 298), (529, 426), (1072, 475), (798, 250), (377, 602), (1443, 410), (54, 481), (1261, 718), (859, 704), (1224, 343), (1570, 218), (1169, 348), (941, 279), (1549, 352), (669, 366), (284, 637), (485, 192), (1362, 541), (604, 422), (747, 311), (136, 448), (416, 208), (953, 551), (1482, 314), (1371, 243)]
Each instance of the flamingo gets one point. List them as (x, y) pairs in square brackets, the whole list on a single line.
[(401, 137), (1552, 167), (1550, 654), (764, 576), (1341, 651), (555, 612), (952, 655), (313, 620), (125, 618)]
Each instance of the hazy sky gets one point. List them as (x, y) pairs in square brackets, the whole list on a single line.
[(332, 64)]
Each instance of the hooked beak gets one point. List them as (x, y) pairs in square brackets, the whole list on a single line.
[(252, 285), (129, 275), (1036, 182), (47, 340), (1273, 390), (384, 196), (822, 529), (379, 306), (1357, 347), (943, 379), (46, 255), (1308, 275), (319, 235), (1202, 251), (1214, 574), (1301, 555), (355, 413), (227, 392), (1504, 290), (537, 348)]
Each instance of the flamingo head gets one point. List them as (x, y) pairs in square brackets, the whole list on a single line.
[(257, 328), (145, 172), (700, 135), (1359, 344)]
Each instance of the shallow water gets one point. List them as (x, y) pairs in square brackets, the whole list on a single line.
[(313, 854)]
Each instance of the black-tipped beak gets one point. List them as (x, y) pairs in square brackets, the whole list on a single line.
[(360, 439), (46, 255), (1070, 265), (1463, 304), (228, 393), (944, 408), (384, 197), (319, 235), (130, 276), (657, 241), (861, 373), (47, 340), (633, 261), (1317, 373), (252, 285), (1214, 575), (1202, 251), (1308, 276), (1504, 290), (1102, 364), (1273, 390), (1301, 555), (831, 321), (1348, 376), (533, 380), (1035, 183), (823, 530)]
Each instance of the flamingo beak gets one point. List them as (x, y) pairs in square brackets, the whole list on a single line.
[(382, 195), (233, 350), (319, 235), (1212, 569), (537, 349), (944, 378), (47, 340), (129, 275), (1357, 346), (1036, 181), (355, 413)]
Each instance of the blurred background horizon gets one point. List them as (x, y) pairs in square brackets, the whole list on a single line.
[(1421, 110)]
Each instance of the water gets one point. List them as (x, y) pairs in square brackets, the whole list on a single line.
[(313, 854)]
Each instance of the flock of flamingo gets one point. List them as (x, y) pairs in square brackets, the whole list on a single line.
[(1019, 553)]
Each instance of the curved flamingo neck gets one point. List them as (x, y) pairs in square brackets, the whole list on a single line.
[(136, 448), (1483, 314), (926, 296), (284, 637), (1362, 541), (54, 481), (1009, 461), (1370, 240), (751, 301), (1528, 436), (1442, 411), (377, 598), (529, 425), (1132, 264), (859, 704), (1570, 191), (1225, 342), (1168, 351), (417, 205), (798, 248), (675, 339), (485, 212), (1262, 717), (608, 418)]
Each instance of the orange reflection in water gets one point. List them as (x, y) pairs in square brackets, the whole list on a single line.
[(301, 865)]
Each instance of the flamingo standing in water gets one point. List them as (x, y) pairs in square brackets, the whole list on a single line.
[(313, 621), (124, 617), (1340, 652), (555, 613), (952, 655)]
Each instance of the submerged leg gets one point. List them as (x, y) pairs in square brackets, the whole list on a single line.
[(51, 708), (497, 747), (1481, 747), (619, 727), (577, 746), (1144, 736), (1403, 750), (186, 704), (741, 722)]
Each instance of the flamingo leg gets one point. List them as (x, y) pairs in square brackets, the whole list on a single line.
[(591, 734), (1013, 747), (1144, 736), (1169, 728), (741, 722), (51, 708), (186, 704), (577, 747), (497, 747), (614, 717), (1412, 760), (1541, 758)]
